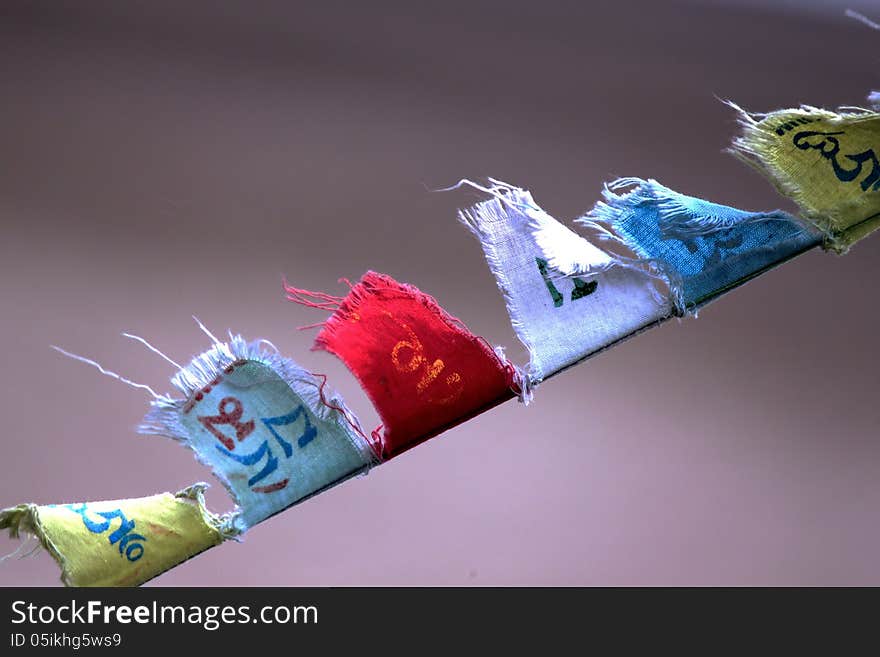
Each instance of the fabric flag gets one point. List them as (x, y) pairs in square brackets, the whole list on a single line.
[(559, 319), (421, 367), (123, 542), (269, 430), (704, 248), (826, 161)]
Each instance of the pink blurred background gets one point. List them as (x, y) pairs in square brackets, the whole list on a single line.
[(164, 159)]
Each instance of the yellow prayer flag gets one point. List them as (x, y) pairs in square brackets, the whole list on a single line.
[(120, 542), (826, 161)]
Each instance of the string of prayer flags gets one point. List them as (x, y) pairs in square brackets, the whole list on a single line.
[(121, 542), (423, 370), (704, 249), (827, 162), (275, 435), (559, 319), (269, 430)]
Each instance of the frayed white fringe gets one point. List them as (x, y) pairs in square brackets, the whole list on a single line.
[(565, 251), (163, 418), (475, 219)]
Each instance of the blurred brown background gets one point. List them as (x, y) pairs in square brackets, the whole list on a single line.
[(162, 159)]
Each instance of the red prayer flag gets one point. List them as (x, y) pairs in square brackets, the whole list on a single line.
[(422, 369)]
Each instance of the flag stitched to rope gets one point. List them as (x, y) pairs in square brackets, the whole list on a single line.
[(122, 542), (273, 434), (827, 162), (421, 367), (560, 319), (269, 430), (703, 248)]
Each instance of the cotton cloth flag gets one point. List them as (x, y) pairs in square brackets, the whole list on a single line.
[(705, 249), (826, 161), (121, 542), (422, 368), (269, 430), (560, 319)]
